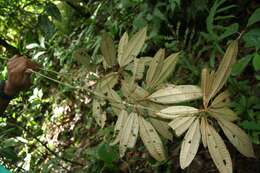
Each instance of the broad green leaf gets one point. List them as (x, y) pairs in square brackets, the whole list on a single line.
[(53, 11), (190, 144), (224, 69), (203, 130), (254, 18), (121, 48), (108, 50), (181, 124), (81, 55), (107, 153), (222, 100), (176, 94), (223, 112), (240, 65), (252, 38), (133, 47), (151, 140), (98, 114), (218, 151), (129, 133), (177, 111), (237, 137), (250, 125), (167, 68), (256, 62), (155, 68), (162, 128)]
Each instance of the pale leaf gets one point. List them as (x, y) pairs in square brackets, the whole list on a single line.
[(224, 112), (107, 82), (218, 151), (190, 144), (224, 69), (176, 94), (222, 100), (155, 68), (115, 101), (99, 116), (168, 66), (203, 130), (121, 120), (108, 49), (151, 140), (205, 84), (121, 48), (177, 111), (129, 133), (138, 69), (181, 124), (133, 47), (162, 128), (237, 137)]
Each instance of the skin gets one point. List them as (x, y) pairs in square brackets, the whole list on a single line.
[(18, 78)]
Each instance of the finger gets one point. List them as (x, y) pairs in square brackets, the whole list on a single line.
[(32, 65)]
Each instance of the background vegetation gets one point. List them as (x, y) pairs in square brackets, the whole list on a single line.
[(51, 129)]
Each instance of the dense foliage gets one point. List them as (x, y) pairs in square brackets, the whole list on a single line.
[(67, 121)]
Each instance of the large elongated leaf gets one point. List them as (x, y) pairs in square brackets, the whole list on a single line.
[(168, 66), (99, 116), (224, 69), (108, 49), (115, 101), (107, 82), (121, 120), (133, 92), (121, 48), (203, 130), (218, 151), (237, 137), (181, 124), (151, 140), (176, 94), (254, 18), (224, 112), (222, 100), (154, 68), (138, 69), (133, 47), (190, 144), (129, 133), (205, 85), (177, 111), (162, 128)]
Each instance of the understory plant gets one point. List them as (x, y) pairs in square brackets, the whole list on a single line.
[(137, 92)]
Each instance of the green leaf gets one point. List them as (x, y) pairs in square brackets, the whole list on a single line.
[(252, 38), (53, 11), (254, 18), (240, 65), (256, 62), (250, 125), (107, 153)]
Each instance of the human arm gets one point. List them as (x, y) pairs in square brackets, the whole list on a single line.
[(18, 79)]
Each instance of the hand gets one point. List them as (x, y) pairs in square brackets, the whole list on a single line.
[(18, 74)]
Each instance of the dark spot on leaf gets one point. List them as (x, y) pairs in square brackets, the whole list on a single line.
[(224, 161), (189, 142)]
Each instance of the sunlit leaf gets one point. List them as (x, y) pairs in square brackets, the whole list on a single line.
[(224, 68), (181, 124), (177, 111), (218, 151), (223, 112), (151, 140), (162, 128), (98, 114), (133, 47), (115, 101), (129, 133), (237, 137), (203, 130), (190, 144), (222, 100), (121, 120), (176, 94), (121, 48), (107, 82)]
